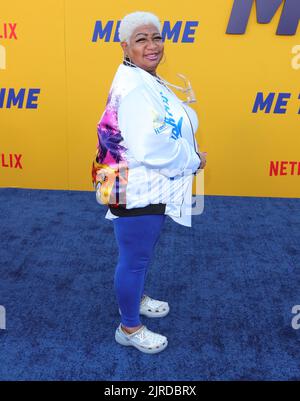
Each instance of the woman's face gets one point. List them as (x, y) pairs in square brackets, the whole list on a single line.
[(145, 47)]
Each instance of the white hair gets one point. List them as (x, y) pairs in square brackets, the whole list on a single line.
[(132, 21)]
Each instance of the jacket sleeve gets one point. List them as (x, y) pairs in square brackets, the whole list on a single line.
[(139, 116)]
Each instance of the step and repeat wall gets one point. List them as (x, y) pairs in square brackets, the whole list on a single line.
[(242, 57)]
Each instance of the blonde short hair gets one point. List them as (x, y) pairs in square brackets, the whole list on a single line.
[(133, 20)]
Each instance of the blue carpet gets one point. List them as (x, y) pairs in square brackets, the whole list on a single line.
[(231, 281)]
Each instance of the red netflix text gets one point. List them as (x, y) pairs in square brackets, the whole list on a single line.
[(11, 160), (284, 168), (8, 31)]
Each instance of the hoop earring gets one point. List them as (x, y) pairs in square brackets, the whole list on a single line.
[(126, 59), (163, 60)]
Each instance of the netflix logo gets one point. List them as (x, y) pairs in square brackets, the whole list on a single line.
[(11, 160), (8, 31), (284, 168)]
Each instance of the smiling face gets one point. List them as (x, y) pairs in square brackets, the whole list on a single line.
[(145, 47)]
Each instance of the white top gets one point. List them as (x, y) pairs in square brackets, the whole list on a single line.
[(157, 131)]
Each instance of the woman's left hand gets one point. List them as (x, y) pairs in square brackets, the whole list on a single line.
[(203, 159)]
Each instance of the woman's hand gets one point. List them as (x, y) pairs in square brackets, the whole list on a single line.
[(203, 159)]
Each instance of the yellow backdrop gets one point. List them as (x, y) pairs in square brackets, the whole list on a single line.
[(53, 58)]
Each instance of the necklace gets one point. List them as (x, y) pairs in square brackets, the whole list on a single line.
[(159, 79)]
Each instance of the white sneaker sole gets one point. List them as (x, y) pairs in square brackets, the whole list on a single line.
[(120, 339)]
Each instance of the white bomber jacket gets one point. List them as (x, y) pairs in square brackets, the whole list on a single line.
[(147, 151)]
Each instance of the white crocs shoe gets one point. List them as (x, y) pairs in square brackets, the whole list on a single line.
[(152, 307), (143, 339)]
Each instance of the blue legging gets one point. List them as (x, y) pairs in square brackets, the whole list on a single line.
[(136, 238)]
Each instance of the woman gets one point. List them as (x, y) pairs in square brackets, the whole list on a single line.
[(143, 170)]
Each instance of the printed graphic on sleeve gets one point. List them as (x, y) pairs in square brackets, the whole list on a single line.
[(110, 167)]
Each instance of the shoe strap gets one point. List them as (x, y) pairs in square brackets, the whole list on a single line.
[(132, 334)]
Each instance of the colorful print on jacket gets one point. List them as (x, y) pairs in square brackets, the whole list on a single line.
[(110, 168)]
